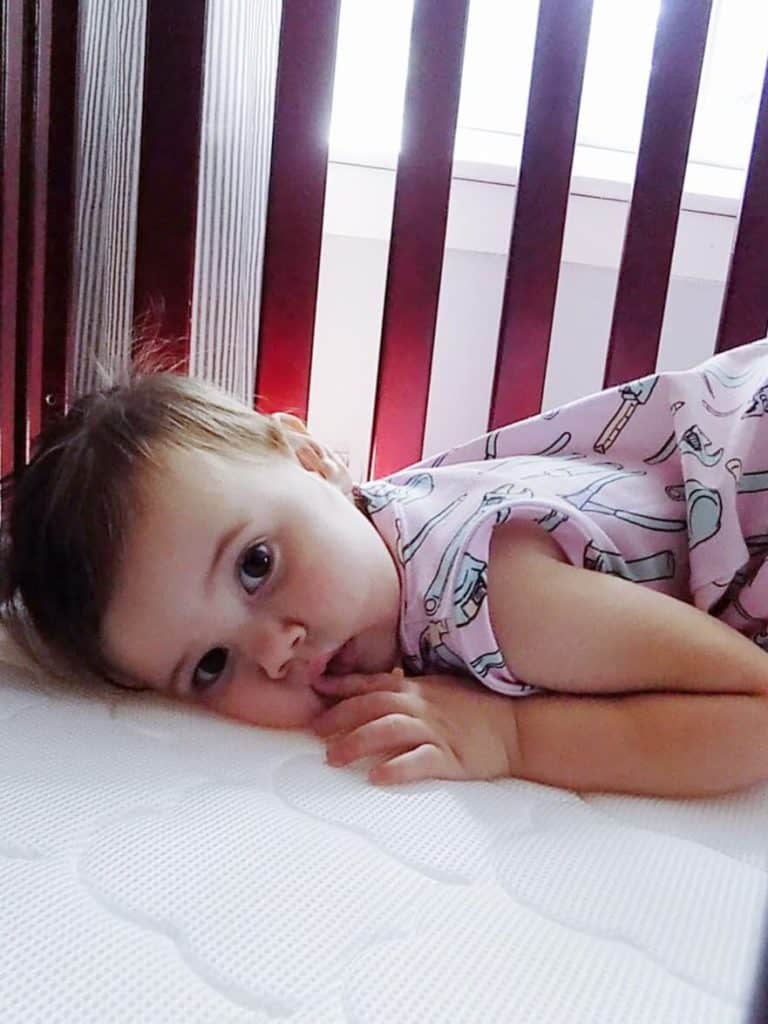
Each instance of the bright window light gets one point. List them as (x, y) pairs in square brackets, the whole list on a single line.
[(372, 67), (369, 88)]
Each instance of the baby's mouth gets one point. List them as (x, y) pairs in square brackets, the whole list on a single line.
[(343, 661)]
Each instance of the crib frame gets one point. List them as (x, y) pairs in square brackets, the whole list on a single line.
[(39, 76), (38, 69)]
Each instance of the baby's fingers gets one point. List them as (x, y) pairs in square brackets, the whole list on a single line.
[(353, 712), (357, 683), (424, 762), (392, 734)]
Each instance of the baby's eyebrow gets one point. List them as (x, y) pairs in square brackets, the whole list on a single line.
[(224, 541), (173, 684)]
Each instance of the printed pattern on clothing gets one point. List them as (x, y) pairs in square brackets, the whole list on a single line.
[(662, 481)]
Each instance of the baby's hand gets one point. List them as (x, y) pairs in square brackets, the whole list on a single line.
[(429, 727)]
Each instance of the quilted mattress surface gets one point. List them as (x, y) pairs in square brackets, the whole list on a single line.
[(160, 864)]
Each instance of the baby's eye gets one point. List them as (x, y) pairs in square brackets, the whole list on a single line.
[(254, 566), (209, 668)]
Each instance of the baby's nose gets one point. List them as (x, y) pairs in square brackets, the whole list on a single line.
[(275, 645)]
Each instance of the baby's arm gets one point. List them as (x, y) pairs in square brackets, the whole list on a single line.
[(580, 632)]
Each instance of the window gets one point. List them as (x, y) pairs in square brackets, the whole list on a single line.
[(372, 67)]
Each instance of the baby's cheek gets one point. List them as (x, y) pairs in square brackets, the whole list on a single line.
[(269, 704), (328, 592)]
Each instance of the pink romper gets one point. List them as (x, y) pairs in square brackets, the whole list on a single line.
[(663, 481)]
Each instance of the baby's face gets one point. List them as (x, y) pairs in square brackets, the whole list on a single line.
[(242, 582)]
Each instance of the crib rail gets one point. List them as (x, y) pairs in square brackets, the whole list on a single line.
[(166, 217), (646, 261), (10, 40), (38, 180), (544, 179), (418, 231), (745, 308), (37, 136), (295, 207)]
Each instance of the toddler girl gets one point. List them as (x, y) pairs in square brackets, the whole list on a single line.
[(165, 536)]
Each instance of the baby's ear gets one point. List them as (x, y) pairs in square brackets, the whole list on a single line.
[(291, 423), (312, 454)]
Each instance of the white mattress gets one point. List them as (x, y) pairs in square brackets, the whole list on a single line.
[(158, 864)]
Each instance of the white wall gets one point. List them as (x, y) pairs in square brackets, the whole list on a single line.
[(351, 291)]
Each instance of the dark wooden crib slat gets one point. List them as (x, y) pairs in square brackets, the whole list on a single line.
[(418, 232), (649, 241), (11, 50), (542, 197), (47, 210), (744, 316), (168, 176), (38, 208), (293, 234), (58, 329), (32, 216)]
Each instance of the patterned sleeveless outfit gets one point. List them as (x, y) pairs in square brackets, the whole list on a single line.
[(662, 481)]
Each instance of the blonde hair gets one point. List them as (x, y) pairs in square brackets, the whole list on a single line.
[(72, 505)]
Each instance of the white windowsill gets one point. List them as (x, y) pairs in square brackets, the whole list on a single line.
[(360, 195), (494, 158)]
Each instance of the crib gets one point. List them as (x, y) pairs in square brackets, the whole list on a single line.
[(158, 864)]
